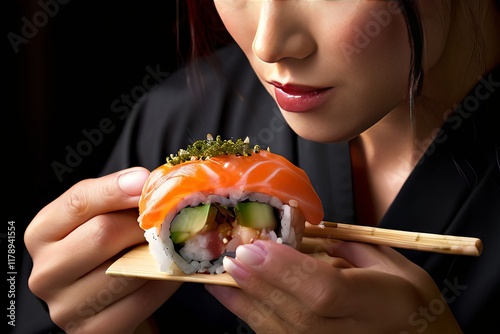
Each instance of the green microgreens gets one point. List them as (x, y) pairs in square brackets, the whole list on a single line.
[(208, 148)]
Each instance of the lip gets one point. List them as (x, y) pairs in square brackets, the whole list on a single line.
[(298, 98)]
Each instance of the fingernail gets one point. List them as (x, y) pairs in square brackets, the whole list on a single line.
[(132, 182), (251, 254), (231, 267)]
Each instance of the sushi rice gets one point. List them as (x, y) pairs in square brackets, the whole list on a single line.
[(194, 257)]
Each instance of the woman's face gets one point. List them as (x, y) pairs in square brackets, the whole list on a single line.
[(335, 68)]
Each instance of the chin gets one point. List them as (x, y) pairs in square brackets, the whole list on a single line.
[(320, 130), (324, 136)]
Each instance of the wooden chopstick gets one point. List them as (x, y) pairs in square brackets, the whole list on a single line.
[(428, 242)]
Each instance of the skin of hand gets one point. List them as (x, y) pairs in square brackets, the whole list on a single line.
[(74, 239), (358, 288)]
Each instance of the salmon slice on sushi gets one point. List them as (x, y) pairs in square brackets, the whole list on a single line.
[(217, 194)]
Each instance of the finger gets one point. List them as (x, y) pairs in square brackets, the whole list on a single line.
[(263, 315), (322, 249), (264, 306), (377, 257), (387, 260), (139, 305), (89, 295), (105, 236), (86, 199), (321, 288), (285, 269), (94, 313), (333, 261), (255, 313)]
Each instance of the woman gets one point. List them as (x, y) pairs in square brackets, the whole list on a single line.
[(406, 92)]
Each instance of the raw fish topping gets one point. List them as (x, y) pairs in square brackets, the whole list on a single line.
[(227, 169)]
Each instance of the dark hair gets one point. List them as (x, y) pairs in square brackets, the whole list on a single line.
[(207, 32), (416, 39)]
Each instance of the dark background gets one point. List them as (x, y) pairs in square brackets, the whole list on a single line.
[(60, 83)]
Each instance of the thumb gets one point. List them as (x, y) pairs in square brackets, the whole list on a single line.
[(86, 199)]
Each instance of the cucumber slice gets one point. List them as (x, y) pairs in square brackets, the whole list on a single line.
[(255, 215), (190, 221)]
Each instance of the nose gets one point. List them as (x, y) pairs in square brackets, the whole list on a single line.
[(281, 34)]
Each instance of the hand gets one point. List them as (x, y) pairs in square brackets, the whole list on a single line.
[(74, 239), (359, 288)]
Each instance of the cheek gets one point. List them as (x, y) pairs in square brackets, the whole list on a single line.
[(374, 47), (375, 32)]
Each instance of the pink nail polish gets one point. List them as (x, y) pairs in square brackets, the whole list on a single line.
[(251, 254), (132, 182), (232, 268)]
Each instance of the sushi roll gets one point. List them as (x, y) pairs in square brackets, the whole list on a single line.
[(217, 194)]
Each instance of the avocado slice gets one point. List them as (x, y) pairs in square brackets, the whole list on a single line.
[(190, 221), (255, 215)]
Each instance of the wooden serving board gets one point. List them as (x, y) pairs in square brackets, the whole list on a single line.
[(138, 262)]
